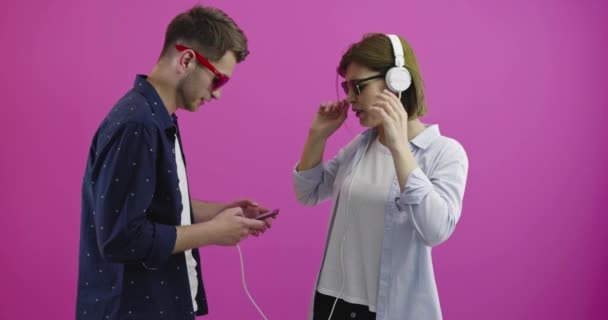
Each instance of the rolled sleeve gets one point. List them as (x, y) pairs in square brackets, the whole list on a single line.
[(308, 177), (163, 243), (417, 187), (436, 200), (316, 184), (125, 189), (313, 185)]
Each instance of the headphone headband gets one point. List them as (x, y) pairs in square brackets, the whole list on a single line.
[(397, 50)]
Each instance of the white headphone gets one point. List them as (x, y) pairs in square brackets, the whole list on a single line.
[(398, 78)]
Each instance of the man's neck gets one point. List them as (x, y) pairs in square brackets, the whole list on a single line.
[(164, 88)]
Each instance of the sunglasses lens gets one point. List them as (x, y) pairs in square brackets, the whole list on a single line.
[(359, 88), (345, 87), (219, 82)]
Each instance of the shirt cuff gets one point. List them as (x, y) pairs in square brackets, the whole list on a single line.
[(312, 174), (417, 187), (162, 245)]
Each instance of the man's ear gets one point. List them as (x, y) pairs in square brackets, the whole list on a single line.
[(186, 60)]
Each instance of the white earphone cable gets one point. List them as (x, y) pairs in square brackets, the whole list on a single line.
[(245, 284), (346, 228)]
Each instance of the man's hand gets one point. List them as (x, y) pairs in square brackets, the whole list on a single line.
[(230, 227), (251, 210)]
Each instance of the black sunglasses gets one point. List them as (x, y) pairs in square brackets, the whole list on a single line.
[(357, 84)]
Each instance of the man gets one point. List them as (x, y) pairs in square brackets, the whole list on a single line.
[(140, 230)]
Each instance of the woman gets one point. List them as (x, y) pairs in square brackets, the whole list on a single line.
[(397, 189)]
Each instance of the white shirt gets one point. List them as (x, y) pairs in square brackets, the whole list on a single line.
[(185, 221), (422, 216), (359, 215)]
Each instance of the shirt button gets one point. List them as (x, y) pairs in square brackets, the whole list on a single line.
[(353, 315)]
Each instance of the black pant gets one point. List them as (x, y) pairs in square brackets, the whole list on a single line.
[(343, 310)]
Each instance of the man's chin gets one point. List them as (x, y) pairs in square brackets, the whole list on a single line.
[(193, 107)]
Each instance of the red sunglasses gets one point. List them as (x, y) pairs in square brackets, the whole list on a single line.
[(220, 78)]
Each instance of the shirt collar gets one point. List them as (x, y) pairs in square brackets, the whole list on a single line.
[(422, 140), (427, 136), (141, 85)]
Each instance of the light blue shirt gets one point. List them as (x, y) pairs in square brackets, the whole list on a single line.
[(422, 216)]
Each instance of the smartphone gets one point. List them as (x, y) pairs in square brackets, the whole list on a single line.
[(269, 214)]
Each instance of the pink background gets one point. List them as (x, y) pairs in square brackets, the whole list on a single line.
[(520, 83)]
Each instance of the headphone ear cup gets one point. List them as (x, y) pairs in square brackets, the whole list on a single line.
[(398, 79)]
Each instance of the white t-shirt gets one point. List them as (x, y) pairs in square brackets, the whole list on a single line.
[(364, 230), (185, 221)]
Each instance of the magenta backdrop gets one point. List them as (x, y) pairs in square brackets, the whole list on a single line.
[(521, 83)]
